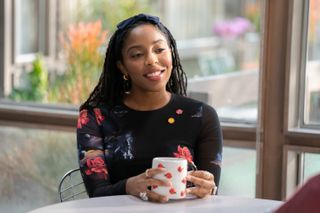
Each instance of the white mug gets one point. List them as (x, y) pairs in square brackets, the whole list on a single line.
[(176, 172)]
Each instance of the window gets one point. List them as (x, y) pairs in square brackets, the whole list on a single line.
[(219, 45), (302, 163), (304, 87), (301, 149), (218, 42), (291, 110), (29, 29), (312, 75), (32, 162), (239, 162)]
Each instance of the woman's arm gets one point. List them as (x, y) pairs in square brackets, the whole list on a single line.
[(208, 155), (93, 166), (208, 152)]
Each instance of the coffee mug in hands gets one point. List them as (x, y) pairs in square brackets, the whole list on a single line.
[(176, 173)]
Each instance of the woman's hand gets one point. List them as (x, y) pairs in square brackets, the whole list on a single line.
[(203, 181), (140, 183)]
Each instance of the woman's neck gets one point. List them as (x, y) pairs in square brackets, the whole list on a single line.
[(147, 101)]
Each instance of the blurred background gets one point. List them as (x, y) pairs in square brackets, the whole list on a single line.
[(51, 58)]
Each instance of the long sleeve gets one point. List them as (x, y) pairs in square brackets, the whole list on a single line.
[(92, 156), (208, 152)]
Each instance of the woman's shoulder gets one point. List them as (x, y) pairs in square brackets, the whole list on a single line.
[(191, 102), (92, 108)]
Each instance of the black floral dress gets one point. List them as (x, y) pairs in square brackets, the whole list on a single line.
[(117, 143)]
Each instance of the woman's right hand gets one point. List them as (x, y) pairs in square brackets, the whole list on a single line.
[(140, 183)]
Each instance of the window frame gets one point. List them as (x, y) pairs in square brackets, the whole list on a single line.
[(303, 68), (296, 74), (293, 161), (277, 127)]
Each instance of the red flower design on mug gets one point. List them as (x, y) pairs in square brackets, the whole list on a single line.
[(168, 175), (172, 191), (83, 118), (96, 165), (99, 116), (180, 169), (160, 165), (184, 152), (184, 180)]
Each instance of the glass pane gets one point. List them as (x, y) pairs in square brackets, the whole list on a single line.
[(311, 165), (26, 27), (241, 163), (32, 163), (218, 42), (312, 88), (225, 56)]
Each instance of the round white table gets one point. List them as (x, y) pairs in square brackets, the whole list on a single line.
[(127, 203)]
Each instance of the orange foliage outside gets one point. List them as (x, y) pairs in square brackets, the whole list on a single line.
[(82, 46)]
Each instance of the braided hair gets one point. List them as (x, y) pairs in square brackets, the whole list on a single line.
[(110, 88)]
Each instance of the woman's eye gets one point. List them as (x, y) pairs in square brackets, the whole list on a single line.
[(136, 55), (159, 50)]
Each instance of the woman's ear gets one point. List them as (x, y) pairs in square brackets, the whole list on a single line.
[(121, 67)]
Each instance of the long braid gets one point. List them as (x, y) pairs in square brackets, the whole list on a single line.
[(178, 81)]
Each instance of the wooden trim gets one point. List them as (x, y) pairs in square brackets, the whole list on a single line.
[(239, 133), (239, 144), (57, 117), (5, 48), (41, 116), (293, 65), (300, 138), (272, 95)]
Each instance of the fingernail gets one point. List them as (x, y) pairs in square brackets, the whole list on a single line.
[(165, 199)]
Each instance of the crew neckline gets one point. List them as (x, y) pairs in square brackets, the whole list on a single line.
[(153, 110)]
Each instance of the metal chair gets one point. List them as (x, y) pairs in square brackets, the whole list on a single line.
[(71, 186)]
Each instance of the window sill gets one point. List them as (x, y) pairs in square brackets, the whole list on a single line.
[(39, 115)]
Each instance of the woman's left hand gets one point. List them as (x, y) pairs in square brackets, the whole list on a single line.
[(203, 181)]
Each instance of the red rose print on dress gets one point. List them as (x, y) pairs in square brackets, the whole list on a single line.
[(97, 166), (99, 116), (184, 152), (83, 118)]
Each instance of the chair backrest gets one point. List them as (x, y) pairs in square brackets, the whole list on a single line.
[(71, 186)]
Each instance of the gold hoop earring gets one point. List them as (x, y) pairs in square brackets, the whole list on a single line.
[(125, 77), (126, 84)]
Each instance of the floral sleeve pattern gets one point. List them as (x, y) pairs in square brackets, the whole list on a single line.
[(91, 152), (96, 166)]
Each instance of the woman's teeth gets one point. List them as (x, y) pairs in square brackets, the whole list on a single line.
[(154, 74)]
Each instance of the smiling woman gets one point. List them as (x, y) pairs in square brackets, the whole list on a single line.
[(143, 81)]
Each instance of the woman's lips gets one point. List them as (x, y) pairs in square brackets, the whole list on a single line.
[(154, 76)]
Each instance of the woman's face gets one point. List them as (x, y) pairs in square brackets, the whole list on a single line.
[(146, 59)]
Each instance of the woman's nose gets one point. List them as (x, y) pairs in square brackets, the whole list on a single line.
[(151, 59)]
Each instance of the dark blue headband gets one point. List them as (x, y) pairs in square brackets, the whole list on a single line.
[(141, 17)]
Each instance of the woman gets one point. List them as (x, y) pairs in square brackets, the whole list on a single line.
[(138, 111)]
